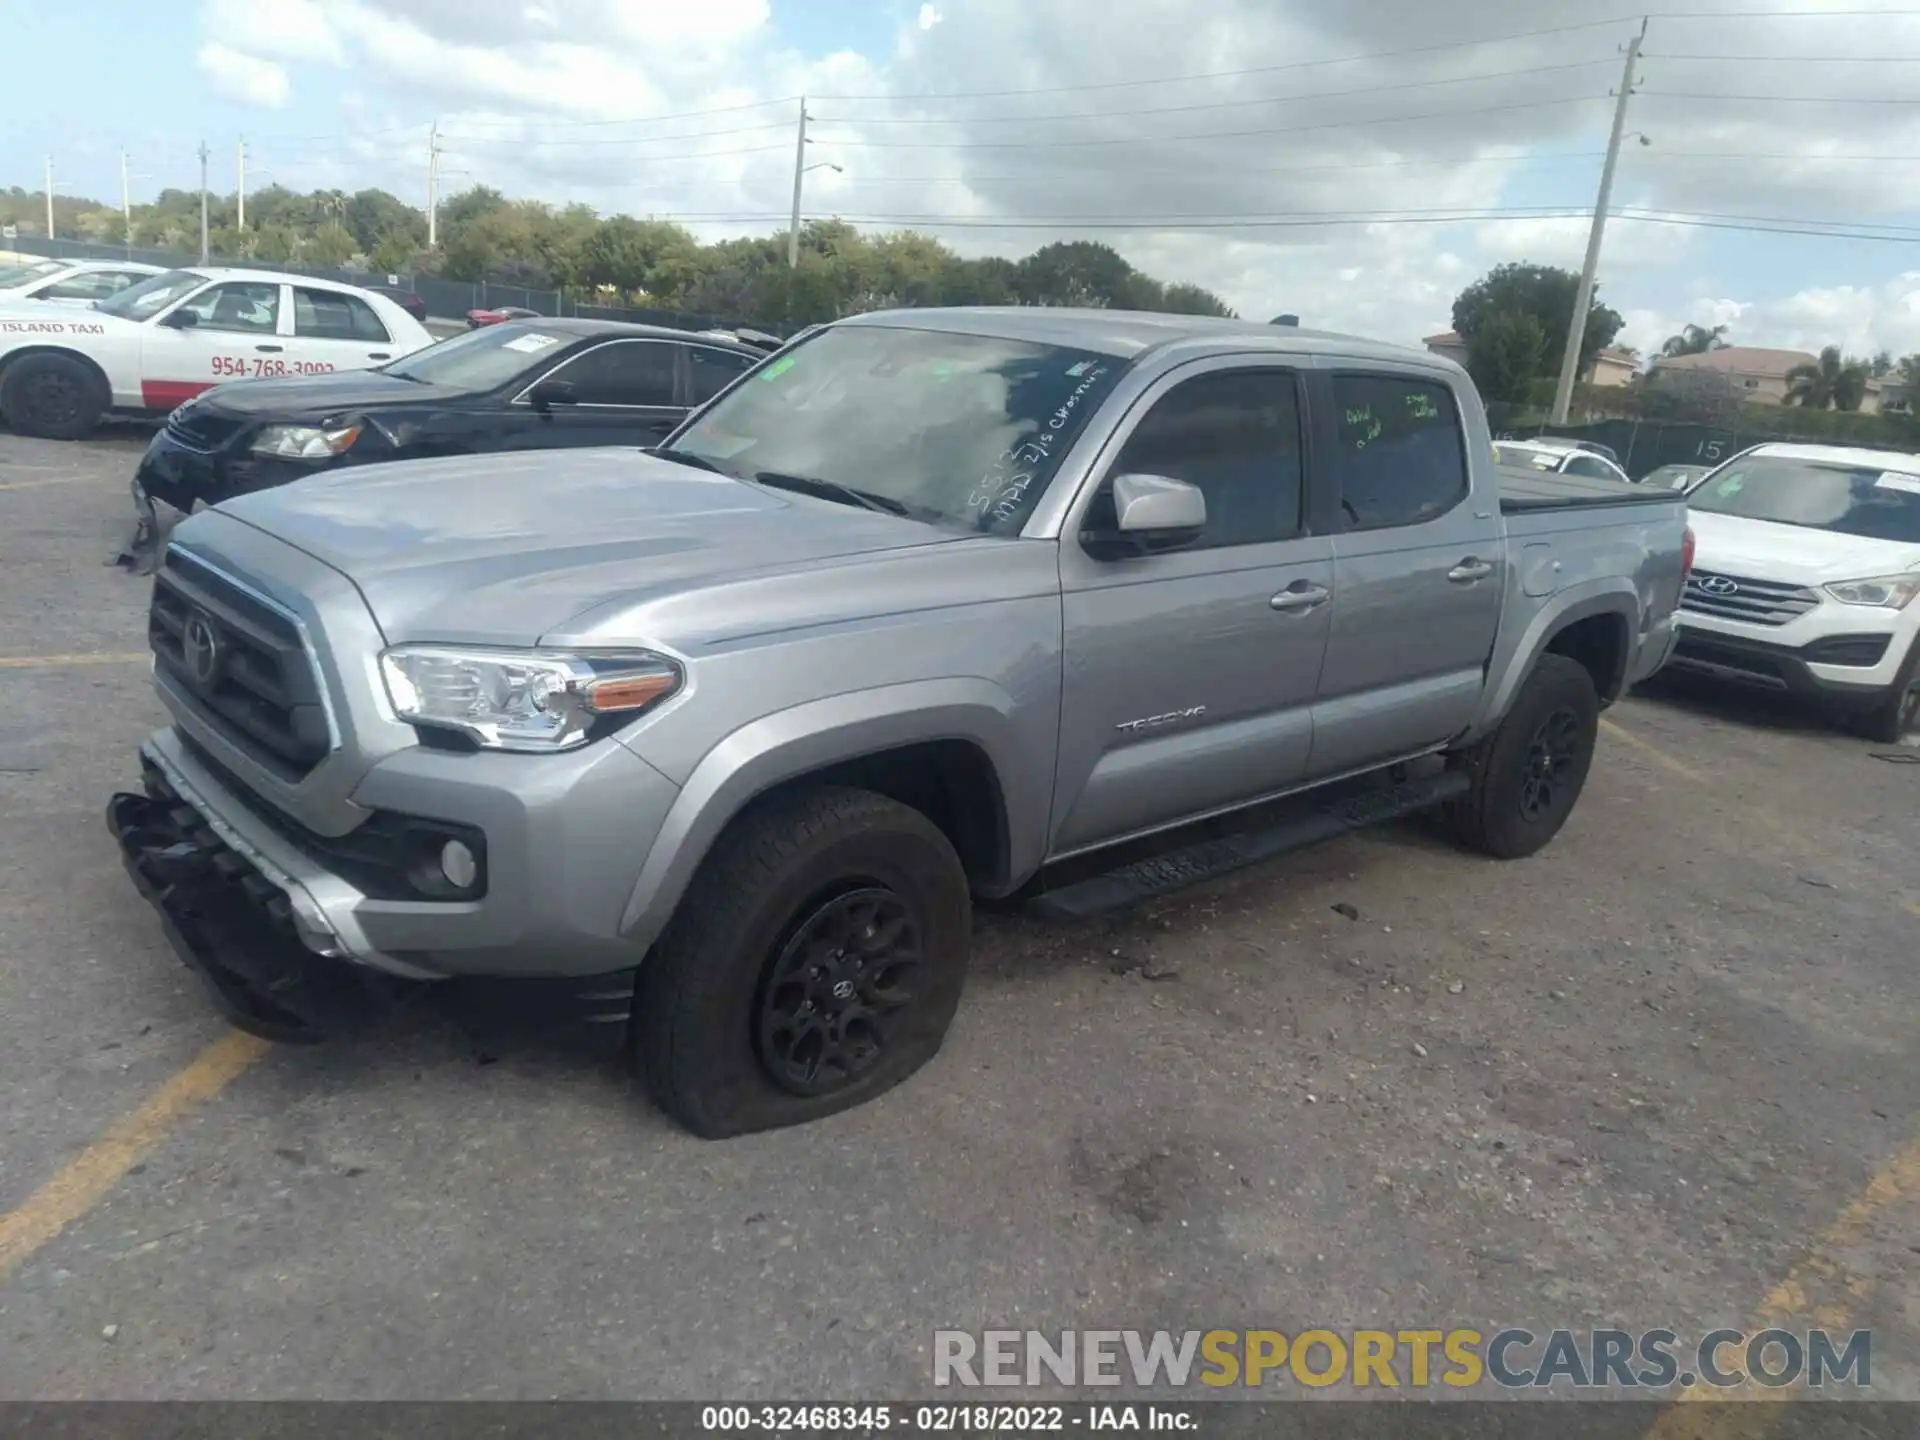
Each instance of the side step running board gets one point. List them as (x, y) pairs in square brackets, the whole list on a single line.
[(1293, 824)]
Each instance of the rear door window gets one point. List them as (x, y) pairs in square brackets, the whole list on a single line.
[(1398, 448), (333, 315)]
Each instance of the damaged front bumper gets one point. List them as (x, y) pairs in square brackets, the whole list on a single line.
[(268, 961)]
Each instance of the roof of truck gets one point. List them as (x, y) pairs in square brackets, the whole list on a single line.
[(1130, 333)]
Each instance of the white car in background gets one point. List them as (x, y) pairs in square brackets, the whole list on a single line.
[(1558, 457), (164, 340), (71, 282), (1805, 580)]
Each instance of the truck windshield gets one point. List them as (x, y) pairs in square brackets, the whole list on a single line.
[(959, 430), (1848, 499)]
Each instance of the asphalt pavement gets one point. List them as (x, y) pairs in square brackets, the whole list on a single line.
[(1660, 1075)]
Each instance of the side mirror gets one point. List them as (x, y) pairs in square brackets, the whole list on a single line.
[(1151, 514), (180, 320), (551, 392)]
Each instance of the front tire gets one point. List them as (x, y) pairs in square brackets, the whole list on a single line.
[(1898, 714), (815, 962), (1527, 775), (52, 397)]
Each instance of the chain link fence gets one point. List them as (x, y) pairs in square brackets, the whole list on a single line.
[(1645, 445)]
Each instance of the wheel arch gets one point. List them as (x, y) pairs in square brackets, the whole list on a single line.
[(947, 748), (1592, 623), (29, 352)]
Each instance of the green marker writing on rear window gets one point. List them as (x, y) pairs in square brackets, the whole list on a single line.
[(777, 368)]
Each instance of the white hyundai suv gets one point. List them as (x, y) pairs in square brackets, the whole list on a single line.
[(1804, 580)]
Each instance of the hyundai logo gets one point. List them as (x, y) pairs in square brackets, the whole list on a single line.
[(1718, 585), (200, 649)]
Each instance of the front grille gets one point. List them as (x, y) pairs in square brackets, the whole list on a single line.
[(1734, 597), (198, 430), (254, 681), (1862, 650)]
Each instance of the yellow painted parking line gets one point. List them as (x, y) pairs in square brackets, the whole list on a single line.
[(1822, 1274), (1653, 752), (87, 1178), (55, 662)]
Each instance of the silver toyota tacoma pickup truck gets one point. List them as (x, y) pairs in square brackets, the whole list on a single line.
[(1038, 605)]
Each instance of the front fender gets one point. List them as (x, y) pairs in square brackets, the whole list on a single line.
[(1516, 652), (809, 737)]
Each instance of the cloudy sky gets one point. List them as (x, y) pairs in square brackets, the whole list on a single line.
[(1356, 164)]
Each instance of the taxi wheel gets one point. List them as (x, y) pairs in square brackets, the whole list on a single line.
[(52, 397)]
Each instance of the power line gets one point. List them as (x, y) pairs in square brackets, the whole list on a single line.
[(1795, 59), (622, 139), (1219, 104), (1210, 135), (640, 119), (1781, 99)]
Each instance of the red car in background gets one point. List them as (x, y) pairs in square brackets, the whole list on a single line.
[(477, 318)]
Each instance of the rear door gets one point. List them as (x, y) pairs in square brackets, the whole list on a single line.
[(1190, 676), (1418, 569), (624, 394), (333, 330), (235, 335)]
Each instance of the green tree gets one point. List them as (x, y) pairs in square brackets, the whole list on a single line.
[(1833, 382), (374, 214), (1184, 299), (1695, 340), (392, 253), (332, 244), (1074, 272), (1508, 350), (1545, 293), (275, 244)]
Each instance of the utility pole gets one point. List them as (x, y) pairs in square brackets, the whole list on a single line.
[(433, 185), (203, 203), (126, 198), (240, 216), (799, 170), (49, 197), (1583, 300)]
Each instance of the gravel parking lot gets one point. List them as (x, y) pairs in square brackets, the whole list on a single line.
[(1662, 1074)]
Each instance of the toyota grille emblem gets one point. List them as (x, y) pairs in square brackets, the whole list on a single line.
[(200, 649), (1718, 585)]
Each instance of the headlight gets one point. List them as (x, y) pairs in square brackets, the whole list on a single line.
[(305, 442), (522, 700), (1883, 592)]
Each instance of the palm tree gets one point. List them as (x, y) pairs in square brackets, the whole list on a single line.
[(1695, 340), (1831, 382)]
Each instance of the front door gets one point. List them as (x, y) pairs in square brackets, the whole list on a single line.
[(235, 335), (1190, 676), (1419, 568), (623, 394)]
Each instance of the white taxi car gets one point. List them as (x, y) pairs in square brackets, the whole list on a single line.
[(161, 342), (71, 282)]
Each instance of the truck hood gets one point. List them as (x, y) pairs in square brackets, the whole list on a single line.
[(502, 549), (1792, 554)]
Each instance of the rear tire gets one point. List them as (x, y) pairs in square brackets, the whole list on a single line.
[(1898, 715), (53, 397), (815, 962), (1527, 775)]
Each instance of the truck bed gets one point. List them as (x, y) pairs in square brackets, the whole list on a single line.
[(1525, 491)]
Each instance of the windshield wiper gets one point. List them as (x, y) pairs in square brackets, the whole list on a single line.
[(685, 457), (831, 490)]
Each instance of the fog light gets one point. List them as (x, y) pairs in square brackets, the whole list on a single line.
[(458, 865)]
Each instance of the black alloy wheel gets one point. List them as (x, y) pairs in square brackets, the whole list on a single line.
[(836, 987), (1552, 755)]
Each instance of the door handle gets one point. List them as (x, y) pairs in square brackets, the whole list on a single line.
[(1470, 570), (379, 355), (1300, 596), (269, 349)]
